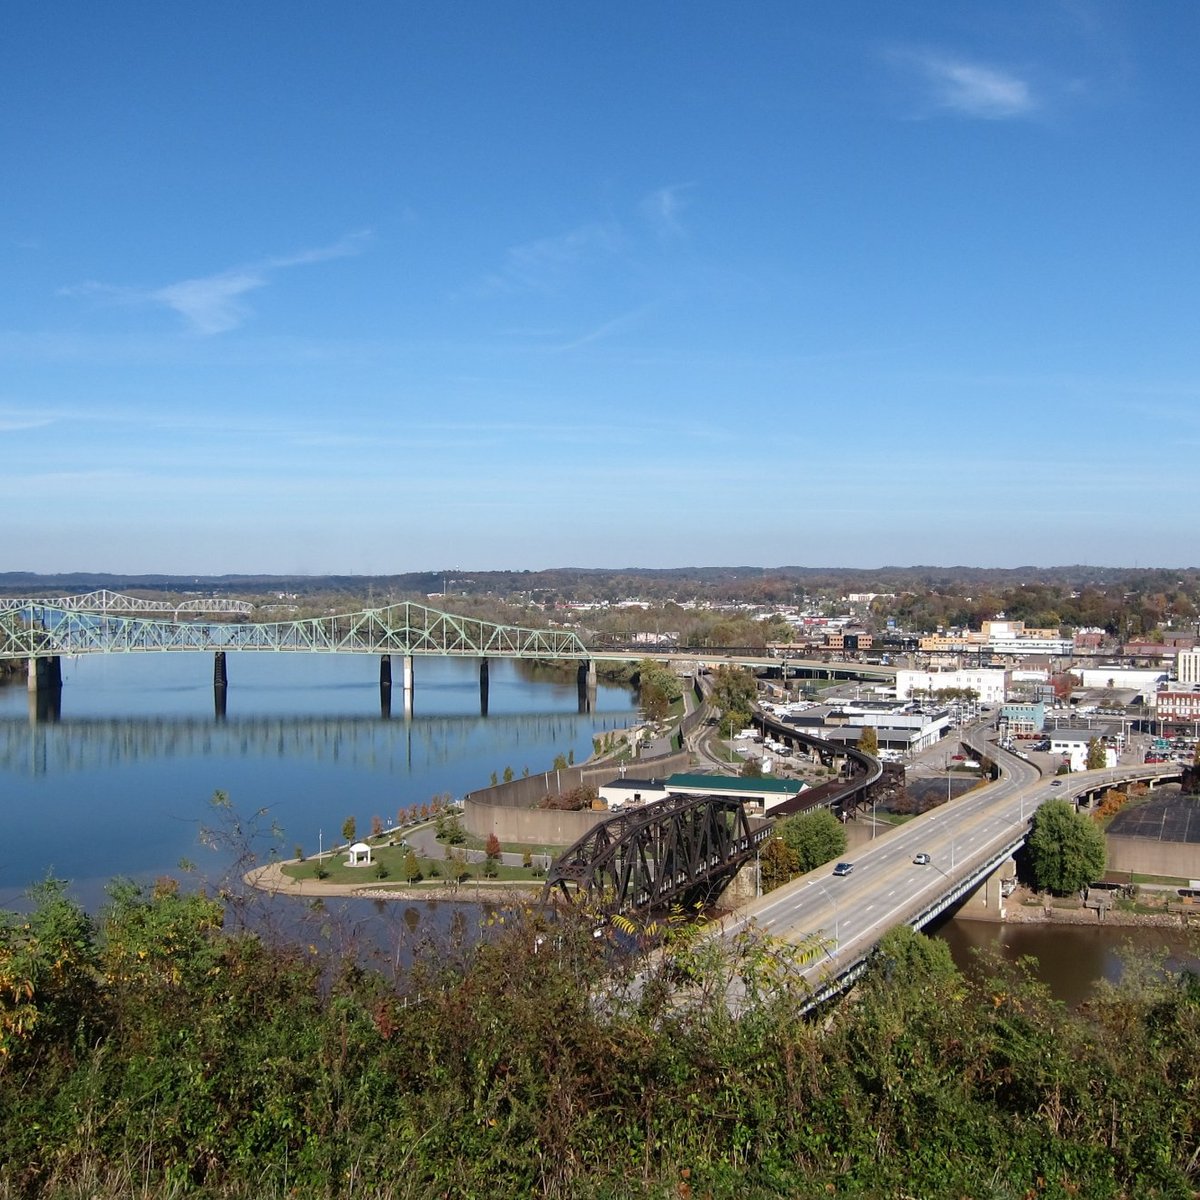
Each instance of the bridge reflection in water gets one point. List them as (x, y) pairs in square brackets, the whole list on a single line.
[(82, 744)]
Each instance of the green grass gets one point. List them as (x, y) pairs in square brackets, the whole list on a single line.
[(392, 858)]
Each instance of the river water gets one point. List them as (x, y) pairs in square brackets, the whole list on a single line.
[(1069, 959), (121, 784)]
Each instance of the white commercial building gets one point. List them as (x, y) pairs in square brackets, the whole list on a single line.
[(1119, 677), (1073, 744), (1187, 666), (988, 683)]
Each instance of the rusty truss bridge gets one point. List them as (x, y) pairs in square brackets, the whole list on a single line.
[(40, 629), (679, 851)]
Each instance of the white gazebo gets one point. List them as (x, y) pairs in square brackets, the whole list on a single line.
[(360, 855)]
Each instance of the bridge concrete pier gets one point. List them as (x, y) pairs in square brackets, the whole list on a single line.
[(408, 685), (45, 674), (483, 687), (988, 901), (220, 685), (45, 706), (586, 681), (385, 685)]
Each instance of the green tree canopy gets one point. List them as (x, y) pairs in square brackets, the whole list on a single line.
[(1066, 850), (910, 959), (814, 837), (1096, 759)]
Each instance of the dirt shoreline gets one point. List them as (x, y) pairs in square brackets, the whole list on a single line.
[(270, 878), (1025, 908)]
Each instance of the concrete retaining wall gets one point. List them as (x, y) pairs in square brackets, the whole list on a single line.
[(1149, 856), (509, 809)]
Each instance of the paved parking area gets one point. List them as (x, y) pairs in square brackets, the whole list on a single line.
[(1169, 817)]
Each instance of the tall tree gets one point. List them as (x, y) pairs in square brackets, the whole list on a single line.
[(1096, 757), (814, 837), (734, 692), (1066, 850), (868, 741)]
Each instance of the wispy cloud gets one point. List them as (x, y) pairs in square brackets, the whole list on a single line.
[(542, 265), (969, 88), (13, 422), (213, 304), (664, 207)]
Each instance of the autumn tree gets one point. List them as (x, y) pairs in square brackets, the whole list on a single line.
[(777, 863), (1097, 760), (868, 741), (734, 692)]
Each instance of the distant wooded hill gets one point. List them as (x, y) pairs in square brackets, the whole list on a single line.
[(767, 584)]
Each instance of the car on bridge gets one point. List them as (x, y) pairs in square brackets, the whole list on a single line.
[(922, 859), (843, 868)]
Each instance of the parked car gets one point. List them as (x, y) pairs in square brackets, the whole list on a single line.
[(843, 868), (922, 859)]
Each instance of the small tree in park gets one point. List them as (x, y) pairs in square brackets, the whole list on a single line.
[(412, 867), (1066, 850), (349, 829)]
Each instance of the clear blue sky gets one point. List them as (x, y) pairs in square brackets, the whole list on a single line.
[(379, 287)]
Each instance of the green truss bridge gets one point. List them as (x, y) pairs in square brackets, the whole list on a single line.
[(43, 632)]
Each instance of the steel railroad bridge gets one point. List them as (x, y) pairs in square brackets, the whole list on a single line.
[(679, 851)]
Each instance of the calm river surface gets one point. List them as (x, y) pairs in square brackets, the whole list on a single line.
[(1071, 959), (121, 784)]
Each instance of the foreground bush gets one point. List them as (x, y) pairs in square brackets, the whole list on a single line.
[(152, 1052)]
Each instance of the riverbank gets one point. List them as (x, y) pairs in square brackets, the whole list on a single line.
[(1025, 907), (271, 878)]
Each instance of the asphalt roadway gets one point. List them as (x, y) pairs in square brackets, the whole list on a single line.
[(886, 888)]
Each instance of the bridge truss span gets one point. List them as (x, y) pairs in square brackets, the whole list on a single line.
[(104, 601), (681, 850), (40, 629)]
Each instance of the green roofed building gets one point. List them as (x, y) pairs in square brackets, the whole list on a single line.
[(763, 793)]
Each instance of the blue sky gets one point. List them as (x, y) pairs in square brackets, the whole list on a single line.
[(371, 288)]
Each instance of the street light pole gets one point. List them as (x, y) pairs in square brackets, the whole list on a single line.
[(837, 941)]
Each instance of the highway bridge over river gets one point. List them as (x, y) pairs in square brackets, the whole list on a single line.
[(44, 631), (967, 840)]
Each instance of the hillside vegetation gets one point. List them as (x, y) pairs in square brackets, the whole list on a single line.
[(152, 1052)]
